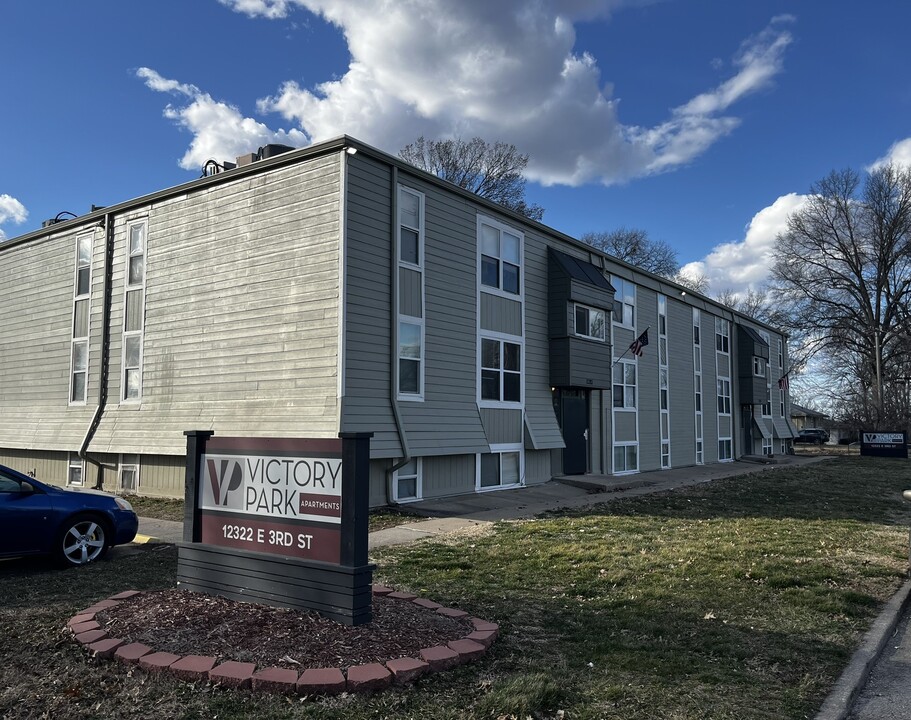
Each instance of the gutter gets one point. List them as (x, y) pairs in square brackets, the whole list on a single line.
[(394, 338), (108, 224)]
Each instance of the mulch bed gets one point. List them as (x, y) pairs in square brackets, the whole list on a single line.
[(189, 623)]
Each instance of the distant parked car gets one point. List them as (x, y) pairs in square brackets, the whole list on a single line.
[(814, 436), (75, 526)]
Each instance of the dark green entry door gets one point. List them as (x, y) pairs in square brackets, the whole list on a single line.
[(574, 424)]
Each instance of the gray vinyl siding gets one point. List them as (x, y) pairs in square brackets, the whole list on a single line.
[(448, 475), (409, 292), (625, 426), (36, 316), (447, 421), (541, 421), (502, 425), (537, 466), (680, 380), (162, 475), (501, 314), (367, 405), (596, 412), (47, 466), (378, 482), (241, 317)]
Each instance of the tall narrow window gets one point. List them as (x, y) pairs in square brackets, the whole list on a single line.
[(780, 355), (82, 301), (501, 371), (624, 301), (625, 385), (697, 382), (134, 312), (410, 291), (724, 396), (411, 227), (501, 257), (411, 357), (664, 384), (722, 335), (74, 473), (129, 473)]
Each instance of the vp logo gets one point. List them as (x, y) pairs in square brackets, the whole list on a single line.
[(227, 477)]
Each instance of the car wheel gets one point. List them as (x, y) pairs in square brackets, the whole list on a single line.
[(82, 540)]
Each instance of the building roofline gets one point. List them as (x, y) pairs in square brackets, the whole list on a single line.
[(338, 144)]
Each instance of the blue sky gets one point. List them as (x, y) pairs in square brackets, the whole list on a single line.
[(701, 122)]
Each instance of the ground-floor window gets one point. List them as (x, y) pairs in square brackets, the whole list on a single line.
[(767, 446), (74, 473), (408, 481), (725, 449), (129, 473), (784, 447), (626, 458), (500, 468)]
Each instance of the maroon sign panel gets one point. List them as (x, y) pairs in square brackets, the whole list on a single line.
[(267, 535)]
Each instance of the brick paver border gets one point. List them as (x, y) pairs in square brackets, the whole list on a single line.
[(85, 629)]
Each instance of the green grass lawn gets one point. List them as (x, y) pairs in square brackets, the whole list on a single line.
[(743, 598)]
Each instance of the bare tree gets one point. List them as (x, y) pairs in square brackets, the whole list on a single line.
[(843, 270), (637, 248), (493, 171)]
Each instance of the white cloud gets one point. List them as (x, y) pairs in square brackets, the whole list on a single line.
[(744, 265), (12, 211), (505, 70), (220, 131), (898, 154)]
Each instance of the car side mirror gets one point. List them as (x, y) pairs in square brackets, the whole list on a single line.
[(26, 488)]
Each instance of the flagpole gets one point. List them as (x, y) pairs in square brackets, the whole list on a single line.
[(630, 346)]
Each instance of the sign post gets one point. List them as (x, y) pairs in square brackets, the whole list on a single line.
[(279, 521)]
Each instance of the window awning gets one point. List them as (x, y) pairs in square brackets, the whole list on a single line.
[(759, 424)]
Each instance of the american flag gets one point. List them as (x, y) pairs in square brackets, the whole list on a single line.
[(639, 343), (784, 383)]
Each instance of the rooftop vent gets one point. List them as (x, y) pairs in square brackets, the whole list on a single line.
[(266, 151)]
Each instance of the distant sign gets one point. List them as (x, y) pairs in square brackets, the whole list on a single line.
[(884, 444)]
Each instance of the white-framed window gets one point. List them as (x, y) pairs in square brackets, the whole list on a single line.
[(589, 322), (767, 446), (501, 371), (624, 390), (626, 458), (697, 383), (411, 228), (407, 485), (724, 396), (504, 466), (784, 447), (700, 455), (725, 450), (663, 384), (500, 258), (780, 355), (75, 472), (134, 312), (82, 304), (624, 312), (129, 473), (697, 330), (722, 335), (411, 359), (781, 403), (758, 367), (767, 405)]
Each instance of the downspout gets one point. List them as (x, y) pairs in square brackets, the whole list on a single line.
[(105, 350), (394, 338)]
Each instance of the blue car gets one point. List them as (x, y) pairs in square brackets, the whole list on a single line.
[(75, 526)]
